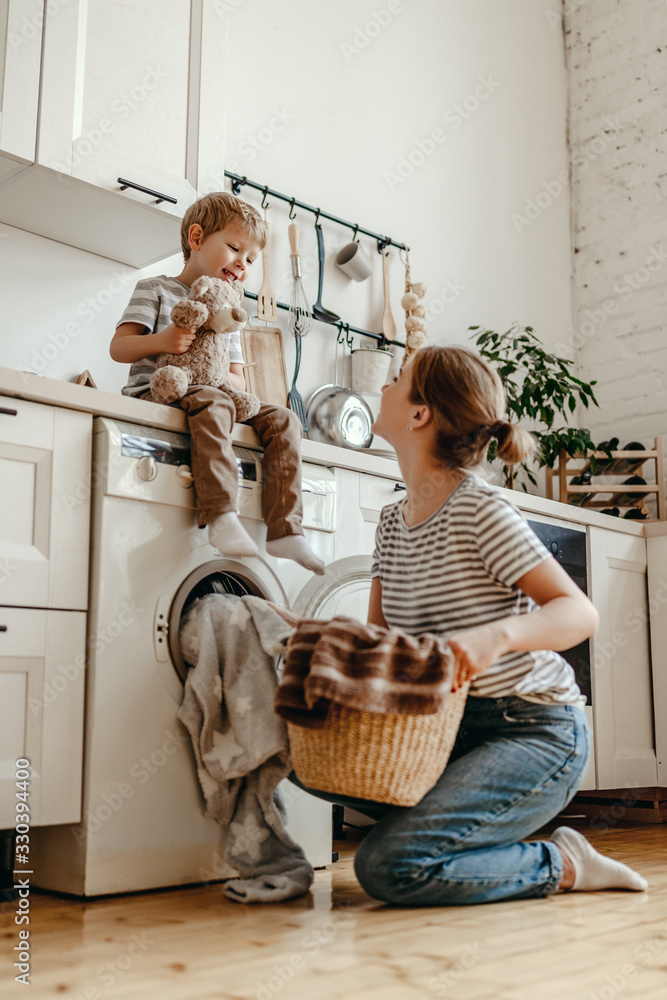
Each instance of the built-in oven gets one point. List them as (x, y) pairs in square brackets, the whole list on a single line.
[(568, 547)]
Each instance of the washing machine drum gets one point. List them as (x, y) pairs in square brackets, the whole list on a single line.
[(202, 582)]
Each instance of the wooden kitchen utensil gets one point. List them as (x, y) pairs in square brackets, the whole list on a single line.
[(264, 367), (388, 324), (267, 308)]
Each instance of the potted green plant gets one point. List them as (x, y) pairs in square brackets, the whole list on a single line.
[(539, 386)]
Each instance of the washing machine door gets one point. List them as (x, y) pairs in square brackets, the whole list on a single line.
[(192, 577), (221, 576), (344, 589)]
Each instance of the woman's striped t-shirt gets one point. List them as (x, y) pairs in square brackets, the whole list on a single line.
[(458, 569), (151, 304)]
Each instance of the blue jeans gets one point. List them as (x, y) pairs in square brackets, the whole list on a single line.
[(515, 765)]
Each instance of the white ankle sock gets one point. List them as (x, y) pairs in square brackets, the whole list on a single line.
[(297, 548), (229, 537), (593, 870)]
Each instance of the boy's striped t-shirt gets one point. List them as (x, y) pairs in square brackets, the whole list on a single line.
[(457, 570), (151, 304)]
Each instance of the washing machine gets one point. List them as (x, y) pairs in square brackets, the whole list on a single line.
[(143, 825)]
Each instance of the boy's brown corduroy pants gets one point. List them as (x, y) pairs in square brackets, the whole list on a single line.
[(210, 415)]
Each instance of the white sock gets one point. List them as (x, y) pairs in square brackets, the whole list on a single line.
[(229, 537), (297, 548), (593, 870)]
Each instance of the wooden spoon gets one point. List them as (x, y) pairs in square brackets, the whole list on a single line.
[(267, 307), (388, 324)]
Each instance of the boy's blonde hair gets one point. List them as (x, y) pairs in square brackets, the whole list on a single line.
[(215, 211), (467, 400)]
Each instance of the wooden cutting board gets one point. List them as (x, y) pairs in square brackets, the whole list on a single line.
[(264, 367)]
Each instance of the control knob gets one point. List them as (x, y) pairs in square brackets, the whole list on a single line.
[(184, 476), (147, 468)]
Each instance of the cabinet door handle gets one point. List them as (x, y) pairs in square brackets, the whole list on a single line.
[(3, 628), (139, 187), (10, 413)]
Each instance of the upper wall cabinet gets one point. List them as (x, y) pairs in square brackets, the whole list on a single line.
[(20, 47), (132, 91)]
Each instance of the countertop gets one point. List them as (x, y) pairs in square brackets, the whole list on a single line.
[(36, 388)]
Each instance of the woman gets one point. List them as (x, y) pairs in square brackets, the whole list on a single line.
[(454, 557)]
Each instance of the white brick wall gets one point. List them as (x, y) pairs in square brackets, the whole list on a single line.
[(616, 57)]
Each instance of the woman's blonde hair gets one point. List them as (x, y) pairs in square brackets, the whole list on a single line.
[(215, 211), (467, 400)]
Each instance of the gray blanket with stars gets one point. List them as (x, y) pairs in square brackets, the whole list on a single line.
[(240, 744)]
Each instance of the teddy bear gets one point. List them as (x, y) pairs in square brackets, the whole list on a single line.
[(213, 307)]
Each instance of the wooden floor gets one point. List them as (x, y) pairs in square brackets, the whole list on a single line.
[(336, 942)]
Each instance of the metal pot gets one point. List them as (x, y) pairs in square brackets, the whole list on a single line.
[(339, 416)]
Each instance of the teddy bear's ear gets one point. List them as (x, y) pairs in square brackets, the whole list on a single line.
[(189, 313), (211, 291)]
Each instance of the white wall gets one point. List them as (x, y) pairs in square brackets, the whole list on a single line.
[(616, 63), (354, 99)]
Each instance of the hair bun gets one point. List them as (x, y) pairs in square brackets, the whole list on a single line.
[(500, 430)]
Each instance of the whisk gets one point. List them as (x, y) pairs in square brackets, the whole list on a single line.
[(300, 317), (300, 321)]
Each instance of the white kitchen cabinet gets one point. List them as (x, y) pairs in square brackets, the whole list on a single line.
[(132, 91), (20, 46), (656, 551), (45, 472), (360, 498), (45, 455), (621, 661), (42, 660)]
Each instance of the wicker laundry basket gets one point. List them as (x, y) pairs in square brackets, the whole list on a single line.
[(370, 755)]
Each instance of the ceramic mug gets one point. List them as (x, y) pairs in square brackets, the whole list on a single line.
[(353, 260), (370, 366)]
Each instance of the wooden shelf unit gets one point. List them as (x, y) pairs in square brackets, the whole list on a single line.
[(636, 460)]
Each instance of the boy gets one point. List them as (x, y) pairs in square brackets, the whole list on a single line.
[(221, 237)]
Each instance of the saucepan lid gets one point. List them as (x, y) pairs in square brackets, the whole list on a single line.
[(339, 416)]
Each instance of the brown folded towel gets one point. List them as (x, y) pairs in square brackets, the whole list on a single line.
[(366, 667)]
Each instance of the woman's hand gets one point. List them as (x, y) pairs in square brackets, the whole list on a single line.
[(475, 649)]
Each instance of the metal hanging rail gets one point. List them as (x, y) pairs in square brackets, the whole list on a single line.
[(340, 326), (238, 182), (383, 241)]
